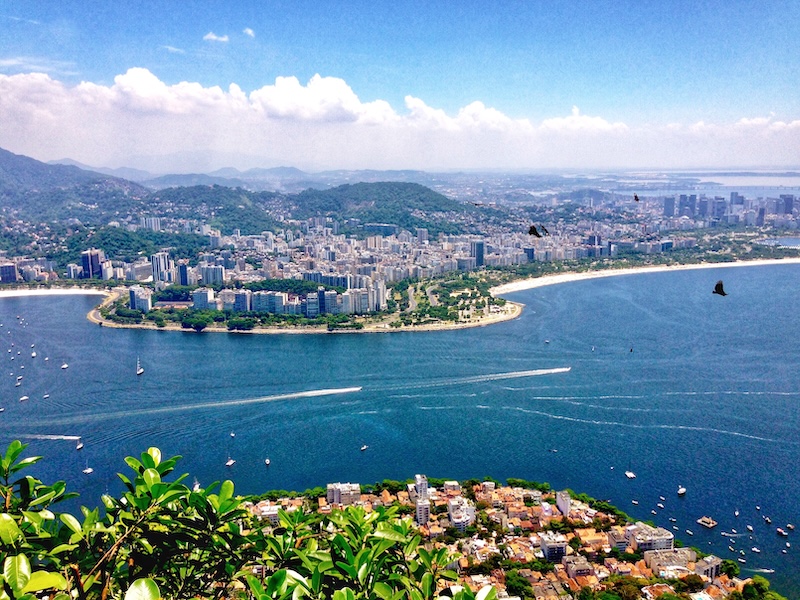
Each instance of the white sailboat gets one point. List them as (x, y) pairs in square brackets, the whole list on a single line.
[(230, 462), (88, 470), (139, 368)]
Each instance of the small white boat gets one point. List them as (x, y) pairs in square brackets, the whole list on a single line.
[(19, 377), (2, 409), (23, 398), (88, 469), (789, 526), (266, 461), (755, 549), (741, 560), (734, 531), (45, 397), (196, 485), (662, 498), (653, 512), (19, 383), (731, 548), (79, 445), (139, 369), (230, 462), (690, 532), (65, 366), (736, 513), (364, 447), (659, 505), (749, 527), (681, 490), (675, 527), (233, 434), (672, 519), (780, 531), (635, 502), (33, 354), (630, 474)]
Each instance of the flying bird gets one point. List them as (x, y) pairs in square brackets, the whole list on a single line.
[(534, 231), (718, 289), (636, 197)]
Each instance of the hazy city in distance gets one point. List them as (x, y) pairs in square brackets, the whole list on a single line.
[(388, 167)]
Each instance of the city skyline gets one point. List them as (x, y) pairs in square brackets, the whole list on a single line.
[(406, 85)]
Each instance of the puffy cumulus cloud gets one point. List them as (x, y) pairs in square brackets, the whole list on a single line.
[(213, 37), (323, 99), (141, 121), (249, 32), (576, 122)]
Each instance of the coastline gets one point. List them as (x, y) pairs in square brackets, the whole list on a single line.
[(510, 311), (535, 282)]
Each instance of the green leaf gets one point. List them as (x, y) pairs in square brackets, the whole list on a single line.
[(226, 491), (151, 477), (17, 571), (71, 522), (9, 531), (155, 453), (487, 592), (42, 580), (143, 589)]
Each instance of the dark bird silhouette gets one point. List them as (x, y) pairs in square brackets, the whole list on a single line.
[(534, 231), (544, 230), (718, 289), (636, 197)]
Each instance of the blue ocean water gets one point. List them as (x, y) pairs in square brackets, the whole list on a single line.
[(665, 379)]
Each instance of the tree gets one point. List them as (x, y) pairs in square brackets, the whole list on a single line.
[(730, 568), (694, 583), (517, 585)]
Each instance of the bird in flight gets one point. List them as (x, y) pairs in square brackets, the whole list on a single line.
[(718, 289), (534, 231), (636, 197)]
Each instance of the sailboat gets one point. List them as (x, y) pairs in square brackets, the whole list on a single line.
[(267, 461), (139, 368), (88, 469), (79, 445), (229, 462)]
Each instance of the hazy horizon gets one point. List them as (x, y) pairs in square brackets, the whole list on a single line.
[(610, 86)]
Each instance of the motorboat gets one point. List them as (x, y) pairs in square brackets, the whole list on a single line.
[(630, 474), (681, 490), (266, 461), (23, 398), (230, 462), (65, 366), (659, 505), (635, 502), (139, 368), (749, 527), (707, 522), (780, 531), (364, 447), (79, 445)]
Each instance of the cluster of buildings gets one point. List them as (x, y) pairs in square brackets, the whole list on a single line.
[(583, 557)]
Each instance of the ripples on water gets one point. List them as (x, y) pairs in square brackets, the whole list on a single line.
[(707, 399)]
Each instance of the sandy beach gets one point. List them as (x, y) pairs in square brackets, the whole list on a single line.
[(65, 291), (511, 310), (535, 282)]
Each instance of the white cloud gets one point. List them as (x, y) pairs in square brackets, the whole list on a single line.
[(248, 31), (142, 121), (174, 50), (213, 37), (582, 123), (37, 64)]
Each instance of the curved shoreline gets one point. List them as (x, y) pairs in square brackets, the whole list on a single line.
[(535, 282), (512, 309)]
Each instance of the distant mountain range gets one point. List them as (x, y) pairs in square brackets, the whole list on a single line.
[(277, 179), (229, 199)]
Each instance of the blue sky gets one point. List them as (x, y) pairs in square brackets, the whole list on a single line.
[(402, 74)]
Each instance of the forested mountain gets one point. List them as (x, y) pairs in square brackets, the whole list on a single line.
[(36, 191), (33, 191)]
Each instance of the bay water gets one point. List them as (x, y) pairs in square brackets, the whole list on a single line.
[(664, 379)]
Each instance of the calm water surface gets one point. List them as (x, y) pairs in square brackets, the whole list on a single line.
[(707, 398)]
